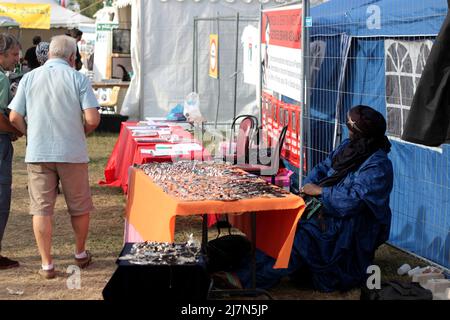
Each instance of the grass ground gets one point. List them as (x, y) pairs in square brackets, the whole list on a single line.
[(106, 239)]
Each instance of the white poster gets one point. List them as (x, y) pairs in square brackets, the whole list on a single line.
[(250, 43), (281, 53), (103, 50)]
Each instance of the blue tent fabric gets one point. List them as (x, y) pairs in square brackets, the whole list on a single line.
[(420, 200), (397, 17), (421, 209), (325, 87), (365, 78)]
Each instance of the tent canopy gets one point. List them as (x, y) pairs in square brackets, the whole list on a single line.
[(60, 17), (8, 22), (366, 18), (166, 62), (165, 68)]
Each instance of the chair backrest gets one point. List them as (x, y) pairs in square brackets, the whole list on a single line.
[(113, 98), (247, 129), (276, 154), (114, 95)]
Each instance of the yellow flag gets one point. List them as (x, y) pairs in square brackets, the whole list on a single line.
[(30, 15)]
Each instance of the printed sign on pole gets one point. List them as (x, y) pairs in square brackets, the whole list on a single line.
[(281, 45), (213, 56), (106, 26)]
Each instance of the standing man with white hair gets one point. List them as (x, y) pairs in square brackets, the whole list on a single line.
[(9, 57), (54, 99)]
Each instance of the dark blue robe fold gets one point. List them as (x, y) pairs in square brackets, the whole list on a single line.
[(338, 247)]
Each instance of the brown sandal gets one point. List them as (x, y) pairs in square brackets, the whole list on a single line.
[(84, 262), (47, 274)]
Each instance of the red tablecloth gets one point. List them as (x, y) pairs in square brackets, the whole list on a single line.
[(127, 152)]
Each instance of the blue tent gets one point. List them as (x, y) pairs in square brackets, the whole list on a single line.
[(358, 18), (372, 52)]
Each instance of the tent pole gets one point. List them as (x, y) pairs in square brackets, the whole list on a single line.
[(304, 94), (236, 65), (218, 69), (141, 73), (196, 57), (307, 63), (260, 67), (194, 41)]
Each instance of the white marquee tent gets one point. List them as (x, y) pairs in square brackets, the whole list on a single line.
[(162, 49), (61, 19)]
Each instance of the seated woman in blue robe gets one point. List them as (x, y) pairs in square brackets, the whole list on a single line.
[(334, 247)]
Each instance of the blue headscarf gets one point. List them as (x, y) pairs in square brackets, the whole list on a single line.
[(368, 127)]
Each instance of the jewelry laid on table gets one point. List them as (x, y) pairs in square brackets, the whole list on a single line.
[(208, 180), (163, 253)]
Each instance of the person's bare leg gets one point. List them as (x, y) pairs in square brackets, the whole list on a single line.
[(80, 225), (42, 227)]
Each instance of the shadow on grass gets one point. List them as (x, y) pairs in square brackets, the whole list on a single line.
[(106, 190), (103, 134)]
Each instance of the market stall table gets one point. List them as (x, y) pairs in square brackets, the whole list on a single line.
[(151, 214), (128, 151), (156, 282)]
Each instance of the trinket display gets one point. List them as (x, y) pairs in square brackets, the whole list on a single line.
[(197, 181), (163, 253)]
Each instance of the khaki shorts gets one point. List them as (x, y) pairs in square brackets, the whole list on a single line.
[(43, 180)]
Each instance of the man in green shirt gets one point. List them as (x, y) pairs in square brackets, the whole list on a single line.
[(9, 57)]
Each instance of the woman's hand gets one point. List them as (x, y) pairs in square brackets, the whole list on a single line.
[(311, 189)]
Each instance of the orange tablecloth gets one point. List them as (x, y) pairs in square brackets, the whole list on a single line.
[(152, 213), (127, 152)]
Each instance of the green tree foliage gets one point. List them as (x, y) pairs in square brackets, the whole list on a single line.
[(93, 8)]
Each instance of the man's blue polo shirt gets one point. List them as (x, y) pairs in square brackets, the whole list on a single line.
[(52, 98)]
